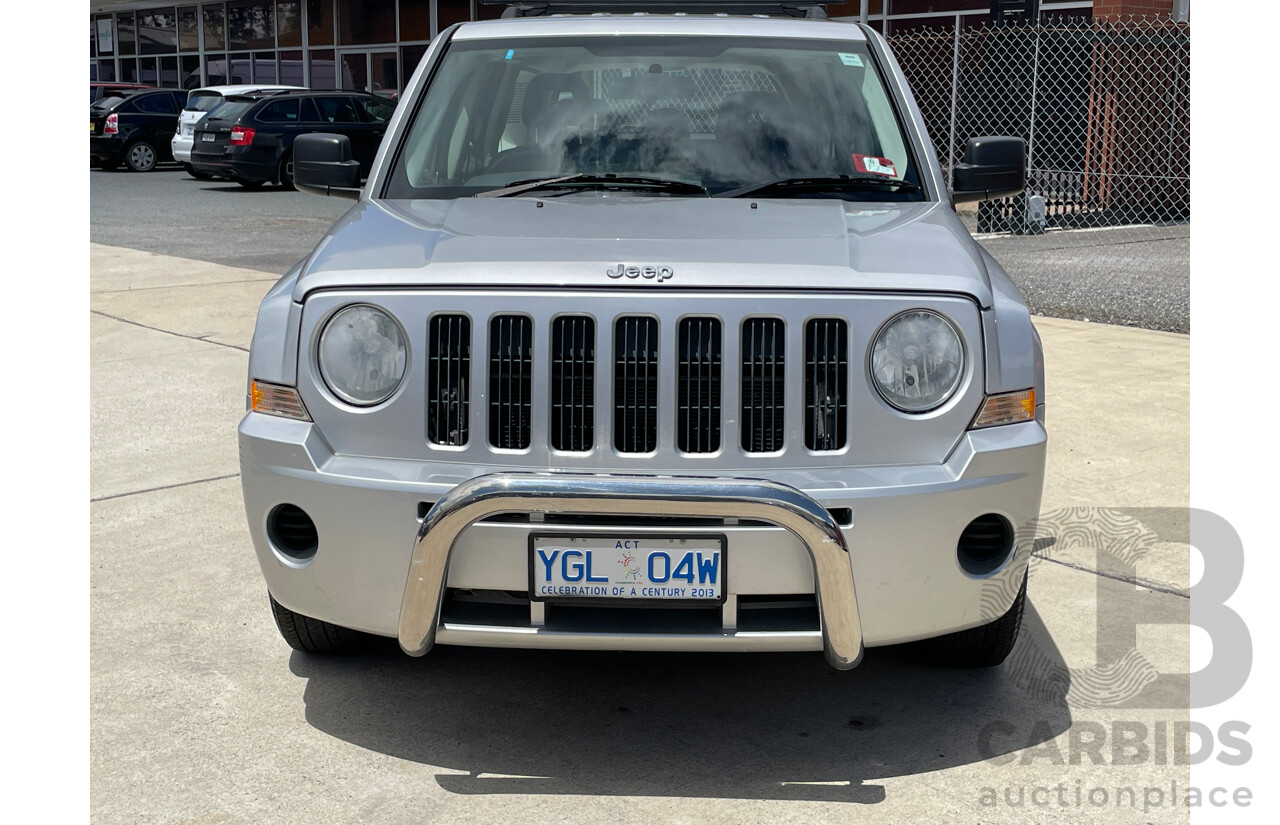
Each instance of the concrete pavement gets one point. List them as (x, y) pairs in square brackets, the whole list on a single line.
[(201, 713)]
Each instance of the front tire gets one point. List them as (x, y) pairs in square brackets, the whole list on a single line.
[(987, 645), (313, 635), (141, 157)]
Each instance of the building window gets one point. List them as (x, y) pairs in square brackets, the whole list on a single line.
[(169, 72), (147, 71), (251, 24), (240, 67), (324, 74), (362, 22), (415, 20), (289, 23), (215, 28), (126, 32), (189, 65), (157, 31), (320, 22), (215, 69), (291, 68), (188, 30)]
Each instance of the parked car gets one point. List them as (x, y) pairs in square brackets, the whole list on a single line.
[(254, 145), (134, 129), (649, 332), (199, 103), (97, 91)]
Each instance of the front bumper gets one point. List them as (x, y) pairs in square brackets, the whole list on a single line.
[(901, 577)]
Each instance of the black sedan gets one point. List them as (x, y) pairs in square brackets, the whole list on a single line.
[(252, 143), (134, 129)]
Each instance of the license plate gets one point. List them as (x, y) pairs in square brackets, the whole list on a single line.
[(207, 138), (93, 127), (626, 567)]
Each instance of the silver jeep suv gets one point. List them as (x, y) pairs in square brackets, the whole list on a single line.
[(649, 331)]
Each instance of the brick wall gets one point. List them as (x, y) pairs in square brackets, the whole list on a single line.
[(1103, 9)]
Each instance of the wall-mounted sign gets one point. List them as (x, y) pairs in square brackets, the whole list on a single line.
[(105, 41)]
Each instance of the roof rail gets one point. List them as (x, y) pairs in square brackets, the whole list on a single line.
[(541, 8)]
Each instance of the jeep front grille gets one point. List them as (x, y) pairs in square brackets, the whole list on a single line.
[(510, 381), (448, 379), (698, 386), (635, 384), (543, 389), (573, 373), (763, 384)]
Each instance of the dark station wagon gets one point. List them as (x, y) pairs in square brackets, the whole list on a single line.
[(251, 142)]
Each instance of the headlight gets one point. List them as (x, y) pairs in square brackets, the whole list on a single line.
[(362, 355), (917, 361)]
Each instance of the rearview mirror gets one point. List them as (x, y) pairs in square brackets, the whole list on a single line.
[(993, 167), (322, 165)]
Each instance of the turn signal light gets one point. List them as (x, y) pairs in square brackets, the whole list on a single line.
[(241, 135), (1006, 408), (276, 399)]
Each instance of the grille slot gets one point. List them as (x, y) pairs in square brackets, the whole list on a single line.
[(635, 385), (763, 384), (826, 402), (573, 368), (698, 385), (510, 381), (449, 379)]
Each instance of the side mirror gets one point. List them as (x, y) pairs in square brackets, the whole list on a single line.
[(993, 167), (322, 165)]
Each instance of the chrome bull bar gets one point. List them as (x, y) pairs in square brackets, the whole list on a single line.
[(632, 495)]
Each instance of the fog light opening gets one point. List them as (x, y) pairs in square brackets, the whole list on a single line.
[(292, 532), (985, 544)]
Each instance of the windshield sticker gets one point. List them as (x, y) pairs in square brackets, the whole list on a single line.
[(874, 165), (850, 59), (510, 54)]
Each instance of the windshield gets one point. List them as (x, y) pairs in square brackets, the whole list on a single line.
[(722, 113), (203, 101)]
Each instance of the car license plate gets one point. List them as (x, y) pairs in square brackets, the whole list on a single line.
[(93, 127), (620, 566), (207, 138)]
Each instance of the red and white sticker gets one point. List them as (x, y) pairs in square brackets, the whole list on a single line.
[(874, 165)]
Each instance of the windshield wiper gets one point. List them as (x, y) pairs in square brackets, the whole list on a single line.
[(582, 180), (829, 184)]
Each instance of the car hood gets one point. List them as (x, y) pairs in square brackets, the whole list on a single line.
[(572, 241)]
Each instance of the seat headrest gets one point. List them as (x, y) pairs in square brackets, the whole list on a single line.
[(547, 89)]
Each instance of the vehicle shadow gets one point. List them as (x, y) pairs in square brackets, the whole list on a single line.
[(784, 727), (231, 186)]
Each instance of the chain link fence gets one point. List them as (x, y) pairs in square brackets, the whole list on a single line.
[(1104, 107)]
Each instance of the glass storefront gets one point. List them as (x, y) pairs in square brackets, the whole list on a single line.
[(351, 44)]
